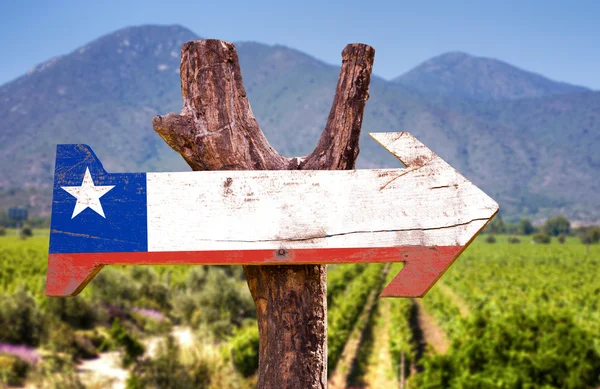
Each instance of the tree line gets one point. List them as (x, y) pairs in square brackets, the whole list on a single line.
[(557, 226)]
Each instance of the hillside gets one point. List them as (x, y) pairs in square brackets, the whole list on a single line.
[(537, 155), (460, 75)]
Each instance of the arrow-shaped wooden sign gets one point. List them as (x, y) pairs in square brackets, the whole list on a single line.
[(424, 215)]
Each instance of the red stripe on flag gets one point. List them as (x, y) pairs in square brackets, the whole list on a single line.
[(68, 274)]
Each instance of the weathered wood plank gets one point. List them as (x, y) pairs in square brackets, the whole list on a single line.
[(424, 215)]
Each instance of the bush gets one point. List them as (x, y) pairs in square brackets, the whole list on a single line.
[(55, 372), (490, 239), (513, 240), (75, 311), (540, 237), (520, 349), (163, 371), (562, 238), (221, 303), (20, 319), (26, 232), (244, 350), (557, 225), (525, 227), (114, 286), (132, 348), (2, 231), (13, 370), (589, 235), (496, 226)]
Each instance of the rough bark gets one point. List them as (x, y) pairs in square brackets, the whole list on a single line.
[(216, 130)]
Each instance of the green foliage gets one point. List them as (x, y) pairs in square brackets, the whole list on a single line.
[(26, 232), (345, 310), (401, 340), (165, 371), (75, 311), (525, 227), (532, 323), (2, 231), (496, 226), (562, 238), (589, 235), (524, 349), (23, 264), (244, 350), (513, 240), (20, 319), (557, 225), (338, 278), (56, 371), (541, 238), (131, 347), (13, 370), (214, 299), (490, 239)]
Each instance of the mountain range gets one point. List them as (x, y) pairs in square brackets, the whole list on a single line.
[(531, 143)]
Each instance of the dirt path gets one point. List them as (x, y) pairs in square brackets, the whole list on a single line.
[(431, 332), (339, 378), (380, 371), (106, 371)]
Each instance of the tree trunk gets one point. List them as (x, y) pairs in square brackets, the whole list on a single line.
[(216, 130)]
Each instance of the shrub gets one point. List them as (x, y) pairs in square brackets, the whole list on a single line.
[(222, 304), (521, 349), (540, 237), (496, 226), (151, 321), (2, 231), (114, 286), (20, 319), (26, 232), (132, 348), (513, 240), (525, 227), (60, 337), (75, 311), (163, 371), (55, 372), (557, 225), (13, 370), (244, 350), (589, 235), (562, 238), (490, 239)]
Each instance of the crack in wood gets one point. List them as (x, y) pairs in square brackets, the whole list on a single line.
[(407, 170), (89, 236), (347, 233)]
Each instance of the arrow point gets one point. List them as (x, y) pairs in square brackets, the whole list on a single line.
[(422, 269)]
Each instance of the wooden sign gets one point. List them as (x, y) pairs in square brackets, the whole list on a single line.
[(424, 215)]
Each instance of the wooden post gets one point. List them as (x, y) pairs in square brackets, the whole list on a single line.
[(216, 130)]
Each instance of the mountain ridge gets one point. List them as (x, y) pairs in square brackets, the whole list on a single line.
[(114, 85), (459, 74)]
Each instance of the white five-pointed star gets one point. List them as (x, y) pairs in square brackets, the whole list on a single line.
[(87, 195)]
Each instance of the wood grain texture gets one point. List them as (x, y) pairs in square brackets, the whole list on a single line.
[(216, 130), (427, 204), (424, 215)]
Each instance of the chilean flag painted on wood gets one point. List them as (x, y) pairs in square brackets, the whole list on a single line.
[(424, 215)]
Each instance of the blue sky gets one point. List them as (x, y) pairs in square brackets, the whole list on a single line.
[(558, 39)]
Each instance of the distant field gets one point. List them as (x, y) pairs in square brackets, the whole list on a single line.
[(504, 315)]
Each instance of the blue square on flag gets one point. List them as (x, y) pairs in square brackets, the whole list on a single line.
[(93, 211)]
